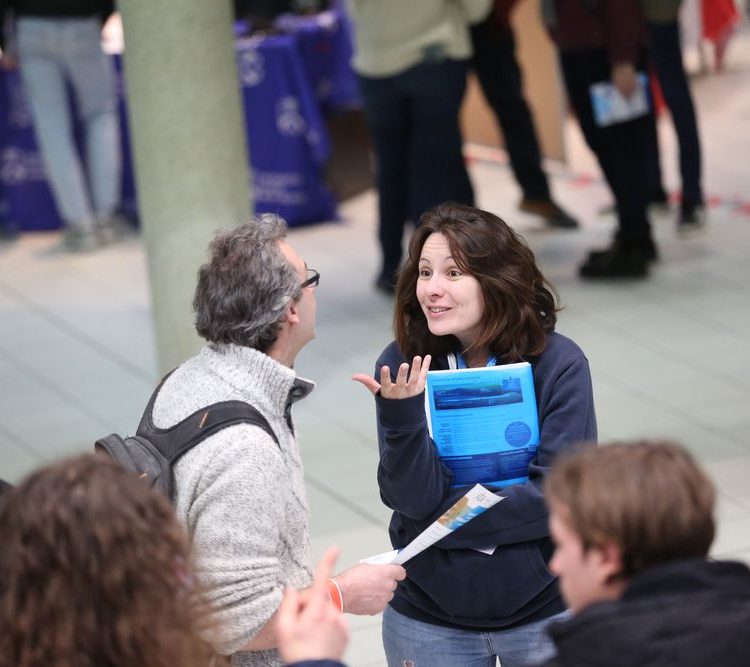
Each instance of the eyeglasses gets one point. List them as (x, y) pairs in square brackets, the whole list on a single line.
[(313, 279)]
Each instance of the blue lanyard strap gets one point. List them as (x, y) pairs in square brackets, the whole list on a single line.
[(461, 363)]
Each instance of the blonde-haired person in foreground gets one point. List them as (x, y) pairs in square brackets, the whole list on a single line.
[(94, 572), (632, 525)]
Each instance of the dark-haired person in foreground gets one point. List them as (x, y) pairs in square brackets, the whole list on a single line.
[(471, 295), (632, 525), (241, 495), (95, 571)]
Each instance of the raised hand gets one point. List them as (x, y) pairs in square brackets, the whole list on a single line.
[(310, 627), (409, 381)]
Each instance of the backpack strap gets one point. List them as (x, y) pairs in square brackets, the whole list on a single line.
[(176, 440)]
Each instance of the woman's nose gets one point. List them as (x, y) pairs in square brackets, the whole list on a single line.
[(435, 284)]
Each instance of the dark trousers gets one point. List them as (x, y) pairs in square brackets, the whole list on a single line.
[(413, 118), (500, 77), (622, 149), (666, 57)]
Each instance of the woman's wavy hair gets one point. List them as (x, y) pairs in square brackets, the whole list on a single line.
[(245, 287), (94, 572), (520, 306)]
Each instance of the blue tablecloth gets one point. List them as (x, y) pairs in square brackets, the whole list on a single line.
[(286, 133), (287, 81), (25, 199), (325, 42)]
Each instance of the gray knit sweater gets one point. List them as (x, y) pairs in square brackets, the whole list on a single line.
[(241, 496)]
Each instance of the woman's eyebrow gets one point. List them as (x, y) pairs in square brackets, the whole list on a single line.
[(447, 258)]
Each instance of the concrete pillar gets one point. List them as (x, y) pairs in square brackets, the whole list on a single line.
[(188, 140)]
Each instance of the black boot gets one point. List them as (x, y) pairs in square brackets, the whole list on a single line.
[(647, 245), (624, 259)]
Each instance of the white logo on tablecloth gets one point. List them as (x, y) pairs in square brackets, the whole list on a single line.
[(17, 167), (284, 188), (252, 67), (289, 121), (18, 111)]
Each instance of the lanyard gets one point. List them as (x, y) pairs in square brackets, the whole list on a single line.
[(456, 360)]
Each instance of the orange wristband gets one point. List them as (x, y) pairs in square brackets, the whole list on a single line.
[(334, 592)]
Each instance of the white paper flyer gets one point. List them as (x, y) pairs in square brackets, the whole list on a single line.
[(476, 501)]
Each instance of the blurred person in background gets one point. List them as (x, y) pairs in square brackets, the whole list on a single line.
[(665, 56), (500, 77), (604, 41), (719, 19), (94, 570), (56, 44), (632, 525), (412, 59)]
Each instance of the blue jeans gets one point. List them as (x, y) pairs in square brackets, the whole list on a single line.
[(54, 54), (410, 643)]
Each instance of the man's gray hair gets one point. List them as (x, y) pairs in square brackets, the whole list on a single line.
[(246, 286)]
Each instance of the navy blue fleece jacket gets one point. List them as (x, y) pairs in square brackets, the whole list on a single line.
[(451, 583)]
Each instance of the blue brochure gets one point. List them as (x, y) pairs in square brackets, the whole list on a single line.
[(484, 422), (611, 107)]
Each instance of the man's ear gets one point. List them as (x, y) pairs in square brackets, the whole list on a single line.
[(292, 313), (610, 562)]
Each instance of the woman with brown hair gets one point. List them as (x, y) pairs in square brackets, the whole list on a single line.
[(471, 295), (94, 572)]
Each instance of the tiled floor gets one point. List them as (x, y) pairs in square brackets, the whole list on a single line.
[(669, 355)]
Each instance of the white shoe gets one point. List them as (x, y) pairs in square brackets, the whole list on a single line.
[(80, 240), (112, 228)]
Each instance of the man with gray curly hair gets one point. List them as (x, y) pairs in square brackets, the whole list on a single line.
[(241, 494)]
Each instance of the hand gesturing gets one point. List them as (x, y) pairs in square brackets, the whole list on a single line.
[(409, 382)]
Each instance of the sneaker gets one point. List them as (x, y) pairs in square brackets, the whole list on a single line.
[(553, 215), (112, 228), (621, 260), (80, 240), (692, 219)]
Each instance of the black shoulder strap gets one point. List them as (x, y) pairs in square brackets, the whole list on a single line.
[(173, 442)]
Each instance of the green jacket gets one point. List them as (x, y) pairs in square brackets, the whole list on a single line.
[(661, 11)]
